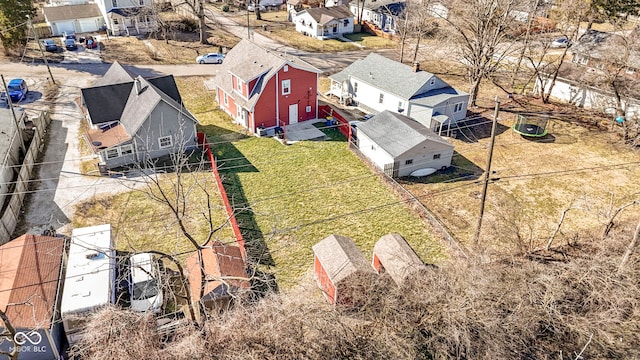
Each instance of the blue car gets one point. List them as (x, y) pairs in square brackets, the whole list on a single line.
[(18, 90)]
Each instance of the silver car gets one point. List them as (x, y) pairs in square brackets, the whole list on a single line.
[(210, 58)]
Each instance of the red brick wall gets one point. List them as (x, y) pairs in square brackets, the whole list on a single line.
[(324, 282)]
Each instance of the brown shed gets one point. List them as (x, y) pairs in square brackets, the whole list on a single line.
[(30, 294), (225, 272), (393, 255), (336, 258)]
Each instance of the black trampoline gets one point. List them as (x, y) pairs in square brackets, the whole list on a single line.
[(531, 125)]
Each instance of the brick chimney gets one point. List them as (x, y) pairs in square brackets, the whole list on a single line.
[(416, 67)]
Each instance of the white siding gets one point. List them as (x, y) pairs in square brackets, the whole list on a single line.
[(305, 24), (373, 152), (369, 96), (424, 160), (589, 98)]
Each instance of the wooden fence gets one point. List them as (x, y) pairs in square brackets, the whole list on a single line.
[(202, 140), (12, 212)]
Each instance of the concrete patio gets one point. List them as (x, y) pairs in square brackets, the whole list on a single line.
[(304, 131)]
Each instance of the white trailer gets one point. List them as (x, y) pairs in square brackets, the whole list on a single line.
[(90, 280)]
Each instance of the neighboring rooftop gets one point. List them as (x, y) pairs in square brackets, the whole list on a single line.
[(324, 15), (609, 46), (387, 74), (70, 12), (29, 278), (225, 270)]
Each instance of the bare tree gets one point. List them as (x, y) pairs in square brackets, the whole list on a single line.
[(569, 14), (479, 30), (196, 7)]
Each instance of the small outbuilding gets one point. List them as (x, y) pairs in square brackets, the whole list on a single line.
[(399, 145), (30, 286), (336, 258), (226, 275), (393, 255)]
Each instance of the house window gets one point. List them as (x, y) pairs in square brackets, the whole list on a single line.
[(114, 3), (436, 156), (580, 59), (226, 99), (286, 87), (286, 68), (112, 153), (433, 81), (355, 87), (115, 21), (126, 150), (600, 66), (400, 106), (238, 85), (381, 99), (141, 2), (308, 108), (408, 162), (346, 22), (165, 142), (458, 107)]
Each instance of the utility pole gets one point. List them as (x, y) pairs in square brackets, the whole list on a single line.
[(13, 113), (487, 172), (35, 35), (248, 22)]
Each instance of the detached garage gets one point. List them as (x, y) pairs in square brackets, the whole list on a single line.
[(73, 18), (399, 145)]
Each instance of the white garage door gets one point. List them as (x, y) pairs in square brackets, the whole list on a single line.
[(65, 26), (88, 25)]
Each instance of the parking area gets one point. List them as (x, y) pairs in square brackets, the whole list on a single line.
[(82, 55)]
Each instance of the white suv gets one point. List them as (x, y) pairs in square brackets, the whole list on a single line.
[(146, 293)]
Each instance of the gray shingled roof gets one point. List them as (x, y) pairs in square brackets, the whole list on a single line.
[(396, 134), (386, 74), (376, 4), (106, 103), (71, 12), (323, 15), (340, 257), (116, 74), (249, 61), (397, 257), (435, 97), (141, 104)]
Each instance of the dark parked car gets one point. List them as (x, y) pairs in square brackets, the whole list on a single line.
[(18, 90), (70, 44), (66, 35), (50, 45)]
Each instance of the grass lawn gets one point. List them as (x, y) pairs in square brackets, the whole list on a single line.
[(140, 224), (303, 192)]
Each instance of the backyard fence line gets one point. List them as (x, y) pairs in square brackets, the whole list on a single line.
[(343, 123), (12, 212), (202, 141)]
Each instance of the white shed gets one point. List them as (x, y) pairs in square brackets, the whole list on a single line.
[(399, 145)]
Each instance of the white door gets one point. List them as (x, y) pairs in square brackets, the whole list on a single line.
[(293, 114), (65, 26)]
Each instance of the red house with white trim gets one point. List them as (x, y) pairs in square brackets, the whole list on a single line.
[(264, 89)]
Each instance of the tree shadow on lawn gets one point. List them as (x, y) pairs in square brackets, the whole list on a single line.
[(461, 169), (231, 162)]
